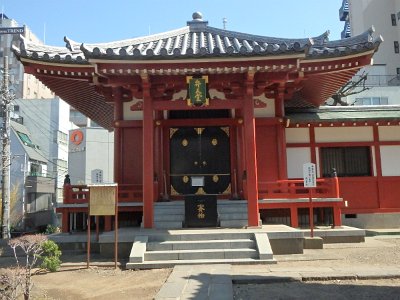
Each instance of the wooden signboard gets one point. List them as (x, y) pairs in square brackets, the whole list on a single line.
[(102, 200)]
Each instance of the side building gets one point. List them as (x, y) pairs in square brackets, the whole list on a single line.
[(32, 187), (23, 85), (383, 80), (49, 122)]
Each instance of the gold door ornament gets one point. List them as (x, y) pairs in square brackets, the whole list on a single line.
[(214, 142), (185, 142)]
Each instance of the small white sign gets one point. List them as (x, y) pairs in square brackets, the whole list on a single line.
[(197, 180), (309, 175)]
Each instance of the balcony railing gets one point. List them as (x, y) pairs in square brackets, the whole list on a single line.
[(289, 189), (380, 80), (293, 189), (78, 194), (344, 10)]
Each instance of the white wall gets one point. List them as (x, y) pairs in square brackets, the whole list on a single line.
[(390, 159), (389, 133), (268, 111), (128, 114), (296, 157), (297, 135), (344, 134)]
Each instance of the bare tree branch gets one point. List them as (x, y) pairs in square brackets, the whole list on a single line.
[(349, 88)]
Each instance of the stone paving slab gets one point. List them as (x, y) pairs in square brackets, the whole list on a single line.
[(198, 282)]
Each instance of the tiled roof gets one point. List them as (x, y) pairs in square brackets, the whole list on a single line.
[(345, 113), (198, 40)]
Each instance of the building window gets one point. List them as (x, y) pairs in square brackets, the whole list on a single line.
[(394, 21), (398, 15), (60, 137), (372, 101), (398, 71), (396, 47), (348, 161)]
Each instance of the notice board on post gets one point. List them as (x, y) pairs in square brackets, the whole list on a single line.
[(102, 199)]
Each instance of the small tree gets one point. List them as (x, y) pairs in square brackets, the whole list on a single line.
[(31, 246), (349, 88), (10, 281)]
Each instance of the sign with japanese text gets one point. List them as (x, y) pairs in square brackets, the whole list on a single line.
[(309, 175), (197, 87)]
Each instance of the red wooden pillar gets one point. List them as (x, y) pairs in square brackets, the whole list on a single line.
[(107, 223), (158, 161), (281, 137), (118, 116), (65, 221), (378, 164), (294, 219), (250, 149), (148, 154)]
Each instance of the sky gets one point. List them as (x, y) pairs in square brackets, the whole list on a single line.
[(98, 21)]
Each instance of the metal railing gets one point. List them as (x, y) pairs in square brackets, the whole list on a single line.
[(380, 80)]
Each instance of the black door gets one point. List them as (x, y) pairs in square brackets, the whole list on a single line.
[(200, 161)]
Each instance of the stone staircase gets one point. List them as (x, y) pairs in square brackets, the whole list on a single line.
[(171, 215), (199, 247)]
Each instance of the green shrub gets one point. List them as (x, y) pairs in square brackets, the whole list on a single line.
[(50, 229), (50, 258)]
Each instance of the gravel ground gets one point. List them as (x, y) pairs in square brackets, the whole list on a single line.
[(376, 251)]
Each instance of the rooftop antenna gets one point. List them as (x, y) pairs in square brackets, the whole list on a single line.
[(224, 21)]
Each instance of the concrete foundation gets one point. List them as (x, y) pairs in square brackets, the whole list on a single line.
[(313, 243), (372, 221)]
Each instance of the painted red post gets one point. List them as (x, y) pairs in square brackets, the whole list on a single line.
[(280, 131), (311, 213), (107, 223), (294, 219), (250, 153), (64, 223), (118, 116), (337, 216), (148, 154)]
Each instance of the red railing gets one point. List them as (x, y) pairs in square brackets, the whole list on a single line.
[(76, 194), (292, 189)]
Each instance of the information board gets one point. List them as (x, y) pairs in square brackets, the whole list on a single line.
[(102, 199), (309, 175)]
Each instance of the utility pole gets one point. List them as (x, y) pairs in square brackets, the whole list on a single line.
[(5, 154), (5, 104)]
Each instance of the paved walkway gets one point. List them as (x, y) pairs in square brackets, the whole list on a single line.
[(214, 282)]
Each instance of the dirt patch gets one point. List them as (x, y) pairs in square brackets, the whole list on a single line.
[(99, 283)]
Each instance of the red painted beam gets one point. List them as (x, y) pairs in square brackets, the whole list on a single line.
[(182, 105)]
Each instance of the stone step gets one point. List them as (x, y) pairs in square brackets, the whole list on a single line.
[(209, 244), (167, 224), (169, 210), (201, 254), (201, 236), (170, 263), (233, 216), (234, 223), (168, 217)]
